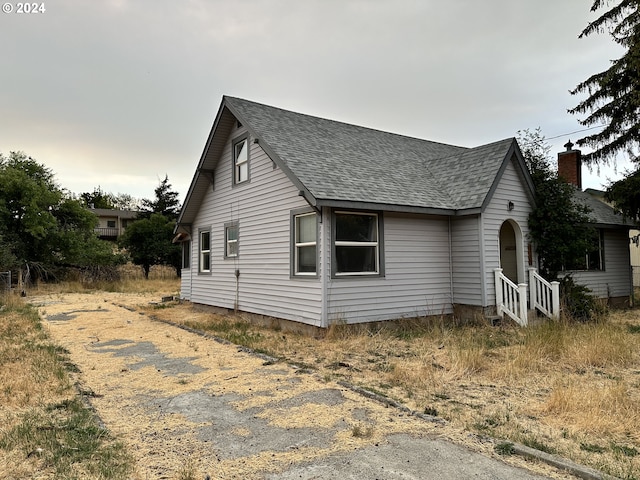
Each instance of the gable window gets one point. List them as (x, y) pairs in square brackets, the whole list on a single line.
[(186, 254), (356, 244), (305, 238), (241, 160), (205, 251), (231, 232), (594, 258)]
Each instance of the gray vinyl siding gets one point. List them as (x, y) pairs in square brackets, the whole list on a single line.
[(261, 207), (466, 264), (511, 188), (185, 281), (417, 277), (615, 280)]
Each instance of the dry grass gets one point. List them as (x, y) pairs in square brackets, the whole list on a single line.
[(45, 430), (572, 389)]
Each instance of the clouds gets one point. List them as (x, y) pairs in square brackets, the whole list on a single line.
[(122, 92)]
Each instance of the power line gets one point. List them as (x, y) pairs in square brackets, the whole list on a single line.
[(577, 131)]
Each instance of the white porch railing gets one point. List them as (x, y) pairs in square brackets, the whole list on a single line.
[(511, 299), (544, 296)]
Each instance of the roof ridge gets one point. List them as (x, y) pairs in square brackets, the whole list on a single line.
[(340, 122)]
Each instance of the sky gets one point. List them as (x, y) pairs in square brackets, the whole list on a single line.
[(117, 94)]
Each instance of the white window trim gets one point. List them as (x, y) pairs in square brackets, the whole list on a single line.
[(297, 245), (202, 252), (228, 226), (236, 164)]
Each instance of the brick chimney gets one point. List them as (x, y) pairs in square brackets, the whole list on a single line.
[(570, 165)]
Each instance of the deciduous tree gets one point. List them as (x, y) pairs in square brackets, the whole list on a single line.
[(558, 225)]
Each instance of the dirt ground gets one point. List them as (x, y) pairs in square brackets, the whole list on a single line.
[(190, 406)]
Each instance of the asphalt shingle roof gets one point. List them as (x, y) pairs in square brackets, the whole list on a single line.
[(337, 161), (601, 213)]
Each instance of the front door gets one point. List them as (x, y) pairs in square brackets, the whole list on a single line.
[(508, 252)]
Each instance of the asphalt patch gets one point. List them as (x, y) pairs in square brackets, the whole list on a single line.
[(66, 316), (148, 355), (239, 433)]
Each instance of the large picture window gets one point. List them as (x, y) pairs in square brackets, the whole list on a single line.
[(356, 243), (241, 161), (305, 244), (205, 251), (594, 258)]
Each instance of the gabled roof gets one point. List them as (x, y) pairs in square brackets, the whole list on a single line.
[(339, 164)]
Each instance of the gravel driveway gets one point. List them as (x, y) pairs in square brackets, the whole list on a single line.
[(189, 406)]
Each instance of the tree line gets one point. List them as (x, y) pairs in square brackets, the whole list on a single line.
[(47, 232)]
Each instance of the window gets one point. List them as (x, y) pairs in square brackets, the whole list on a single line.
[(205, 251), (305, 240), (241, 161), (594, 258), (186, 254), (231, 240), (111, 224), (356, 244)]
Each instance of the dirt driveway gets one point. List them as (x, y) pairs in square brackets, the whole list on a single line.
[(192, 407)]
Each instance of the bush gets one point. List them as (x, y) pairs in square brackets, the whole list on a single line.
[(578, 302)]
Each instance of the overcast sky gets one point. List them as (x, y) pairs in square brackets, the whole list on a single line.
[(119, 93)]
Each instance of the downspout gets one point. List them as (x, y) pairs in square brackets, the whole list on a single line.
[(450, 264), (325, 271), (483, 281)]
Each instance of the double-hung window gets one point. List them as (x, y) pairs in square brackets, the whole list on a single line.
[(305, 238), (241, 160), (356, 244), (231, 232), (205, 251)]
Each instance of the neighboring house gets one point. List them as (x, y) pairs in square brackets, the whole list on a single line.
[(317, 221), (634, 237), (606, 270), (112, 223)]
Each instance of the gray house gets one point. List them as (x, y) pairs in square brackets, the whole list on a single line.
[(316, 221)]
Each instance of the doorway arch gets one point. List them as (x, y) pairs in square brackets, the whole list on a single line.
[(511, 251)]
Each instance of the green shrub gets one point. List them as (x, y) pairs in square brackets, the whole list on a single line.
[(578, 302)]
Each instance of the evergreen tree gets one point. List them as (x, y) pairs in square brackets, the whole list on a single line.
[(148, 242), (614, 94), (166, 202)]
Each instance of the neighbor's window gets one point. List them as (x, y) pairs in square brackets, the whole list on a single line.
[(241, 161), (186, 254), (305, 241), (205, 251), (111, 224), (231, 240), (356, 243), (594, 258)]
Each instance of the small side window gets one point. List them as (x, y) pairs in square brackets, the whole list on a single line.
[(231, 233), (241, 161), (205, 251), (186, 254), (305, 239)]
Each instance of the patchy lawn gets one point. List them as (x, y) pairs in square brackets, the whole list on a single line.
[(569, 389)]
